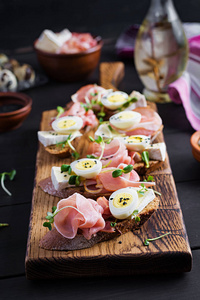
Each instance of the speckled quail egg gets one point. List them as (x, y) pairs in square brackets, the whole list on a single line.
[(67, 124), (136, 142), (8, 81), (123, 202), (125, 119), (114, 100), (86, 167)]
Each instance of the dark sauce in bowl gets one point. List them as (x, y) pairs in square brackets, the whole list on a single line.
[(9, 107)]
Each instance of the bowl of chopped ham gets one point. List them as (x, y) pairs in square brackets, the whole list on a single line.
[(66, 56)]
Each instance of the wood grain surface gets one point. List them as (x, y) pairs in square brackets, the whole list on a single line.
[(123, 255)]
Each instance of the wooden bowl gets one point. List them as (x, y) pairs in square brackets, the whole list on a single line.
[(14, 109), (195, 143), (70, 67)]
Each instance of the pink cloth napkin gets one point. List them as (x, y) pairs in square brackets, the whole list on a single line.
[(186, 89)]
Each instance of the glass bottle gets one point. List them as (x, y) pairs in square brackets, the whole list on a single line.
[(161, 50)]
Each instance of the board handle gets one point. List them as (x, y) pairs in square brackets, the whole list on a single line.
[(111, 74)]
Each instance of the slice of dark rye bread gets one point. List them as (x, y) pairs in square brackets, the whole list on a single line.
[(53, 240)]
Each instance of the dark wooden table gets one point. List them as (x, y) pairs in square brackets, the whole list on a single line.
[(18, 150)]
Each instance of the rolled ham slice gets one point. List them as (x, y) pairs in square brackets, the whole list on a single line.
[(150, 123), (90, 91), (114, 153), (80, 213)]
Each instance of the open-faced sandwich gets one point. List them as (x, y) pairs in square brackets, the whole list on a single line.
[(81, 222), (66, 129)]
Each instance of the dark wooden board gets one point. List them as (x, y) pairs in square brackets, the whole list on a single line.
[(168, 255)]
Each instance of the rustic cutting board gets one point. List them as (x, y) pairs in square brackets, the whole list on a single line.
[(123, 255)]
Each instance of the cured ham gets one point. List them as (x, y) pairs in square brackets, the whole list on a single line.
[(77, 43), (150, 123), (80, 213), (111, 184), (88, 92), (114, 153), (88, 117)]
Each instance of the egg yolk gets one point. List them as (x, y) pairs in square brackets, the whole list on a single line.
[(122, 200), (66, 124), (126, 115), (134, 139), (116, 98), (85, 164)]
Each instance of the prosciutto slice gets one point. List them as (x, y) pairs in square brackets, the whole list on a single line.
[(90, 92), (112, 184), (114, 153), (80, 213), (88, 117), (150, 123)]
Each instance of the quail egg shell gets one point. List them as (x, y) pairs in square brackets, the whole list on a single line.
[(86, 167), (136, 142), (125, 119), (123, 202), (114, 100), (67, 124)]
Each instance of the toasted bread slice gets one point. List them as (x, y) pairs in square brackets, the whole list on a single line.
[(141, 168), (53, 240), (59, 151), (62, 151)]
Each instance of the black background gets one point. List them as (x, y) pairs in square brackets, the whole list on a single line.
[(21, 22)]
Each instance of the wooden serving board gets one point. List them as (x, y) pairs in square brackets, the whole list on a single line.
[(123, 255)]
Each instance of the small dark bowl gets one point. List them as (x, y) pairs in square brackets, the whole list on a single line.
[(70, 67), (194, 141), (14, 109)]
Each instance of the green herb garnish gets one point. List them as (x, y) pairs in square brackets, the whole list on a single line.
[(75, 154), (145, 158), (102, 142), (50, 217), (60, 110), (127, 103), (66, 168), (118, 172), (113, 224), (11, 176), (91, 156), (4, 225), (135, 214), (150, 178), (146, 242)]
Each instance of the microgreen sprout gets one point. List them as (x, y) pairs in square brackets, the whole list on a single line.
[(74, 180), (146, 242), (4, 224), (118, 172), (157, 193), (150, 178), (127, 103), (135, 215), (113, 224), (145, 158), (142, 190), (75, 154), (102, 142), (66, 168), (91, 156), (11, 176), (100, 120), (60, 110), (50, 217)]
